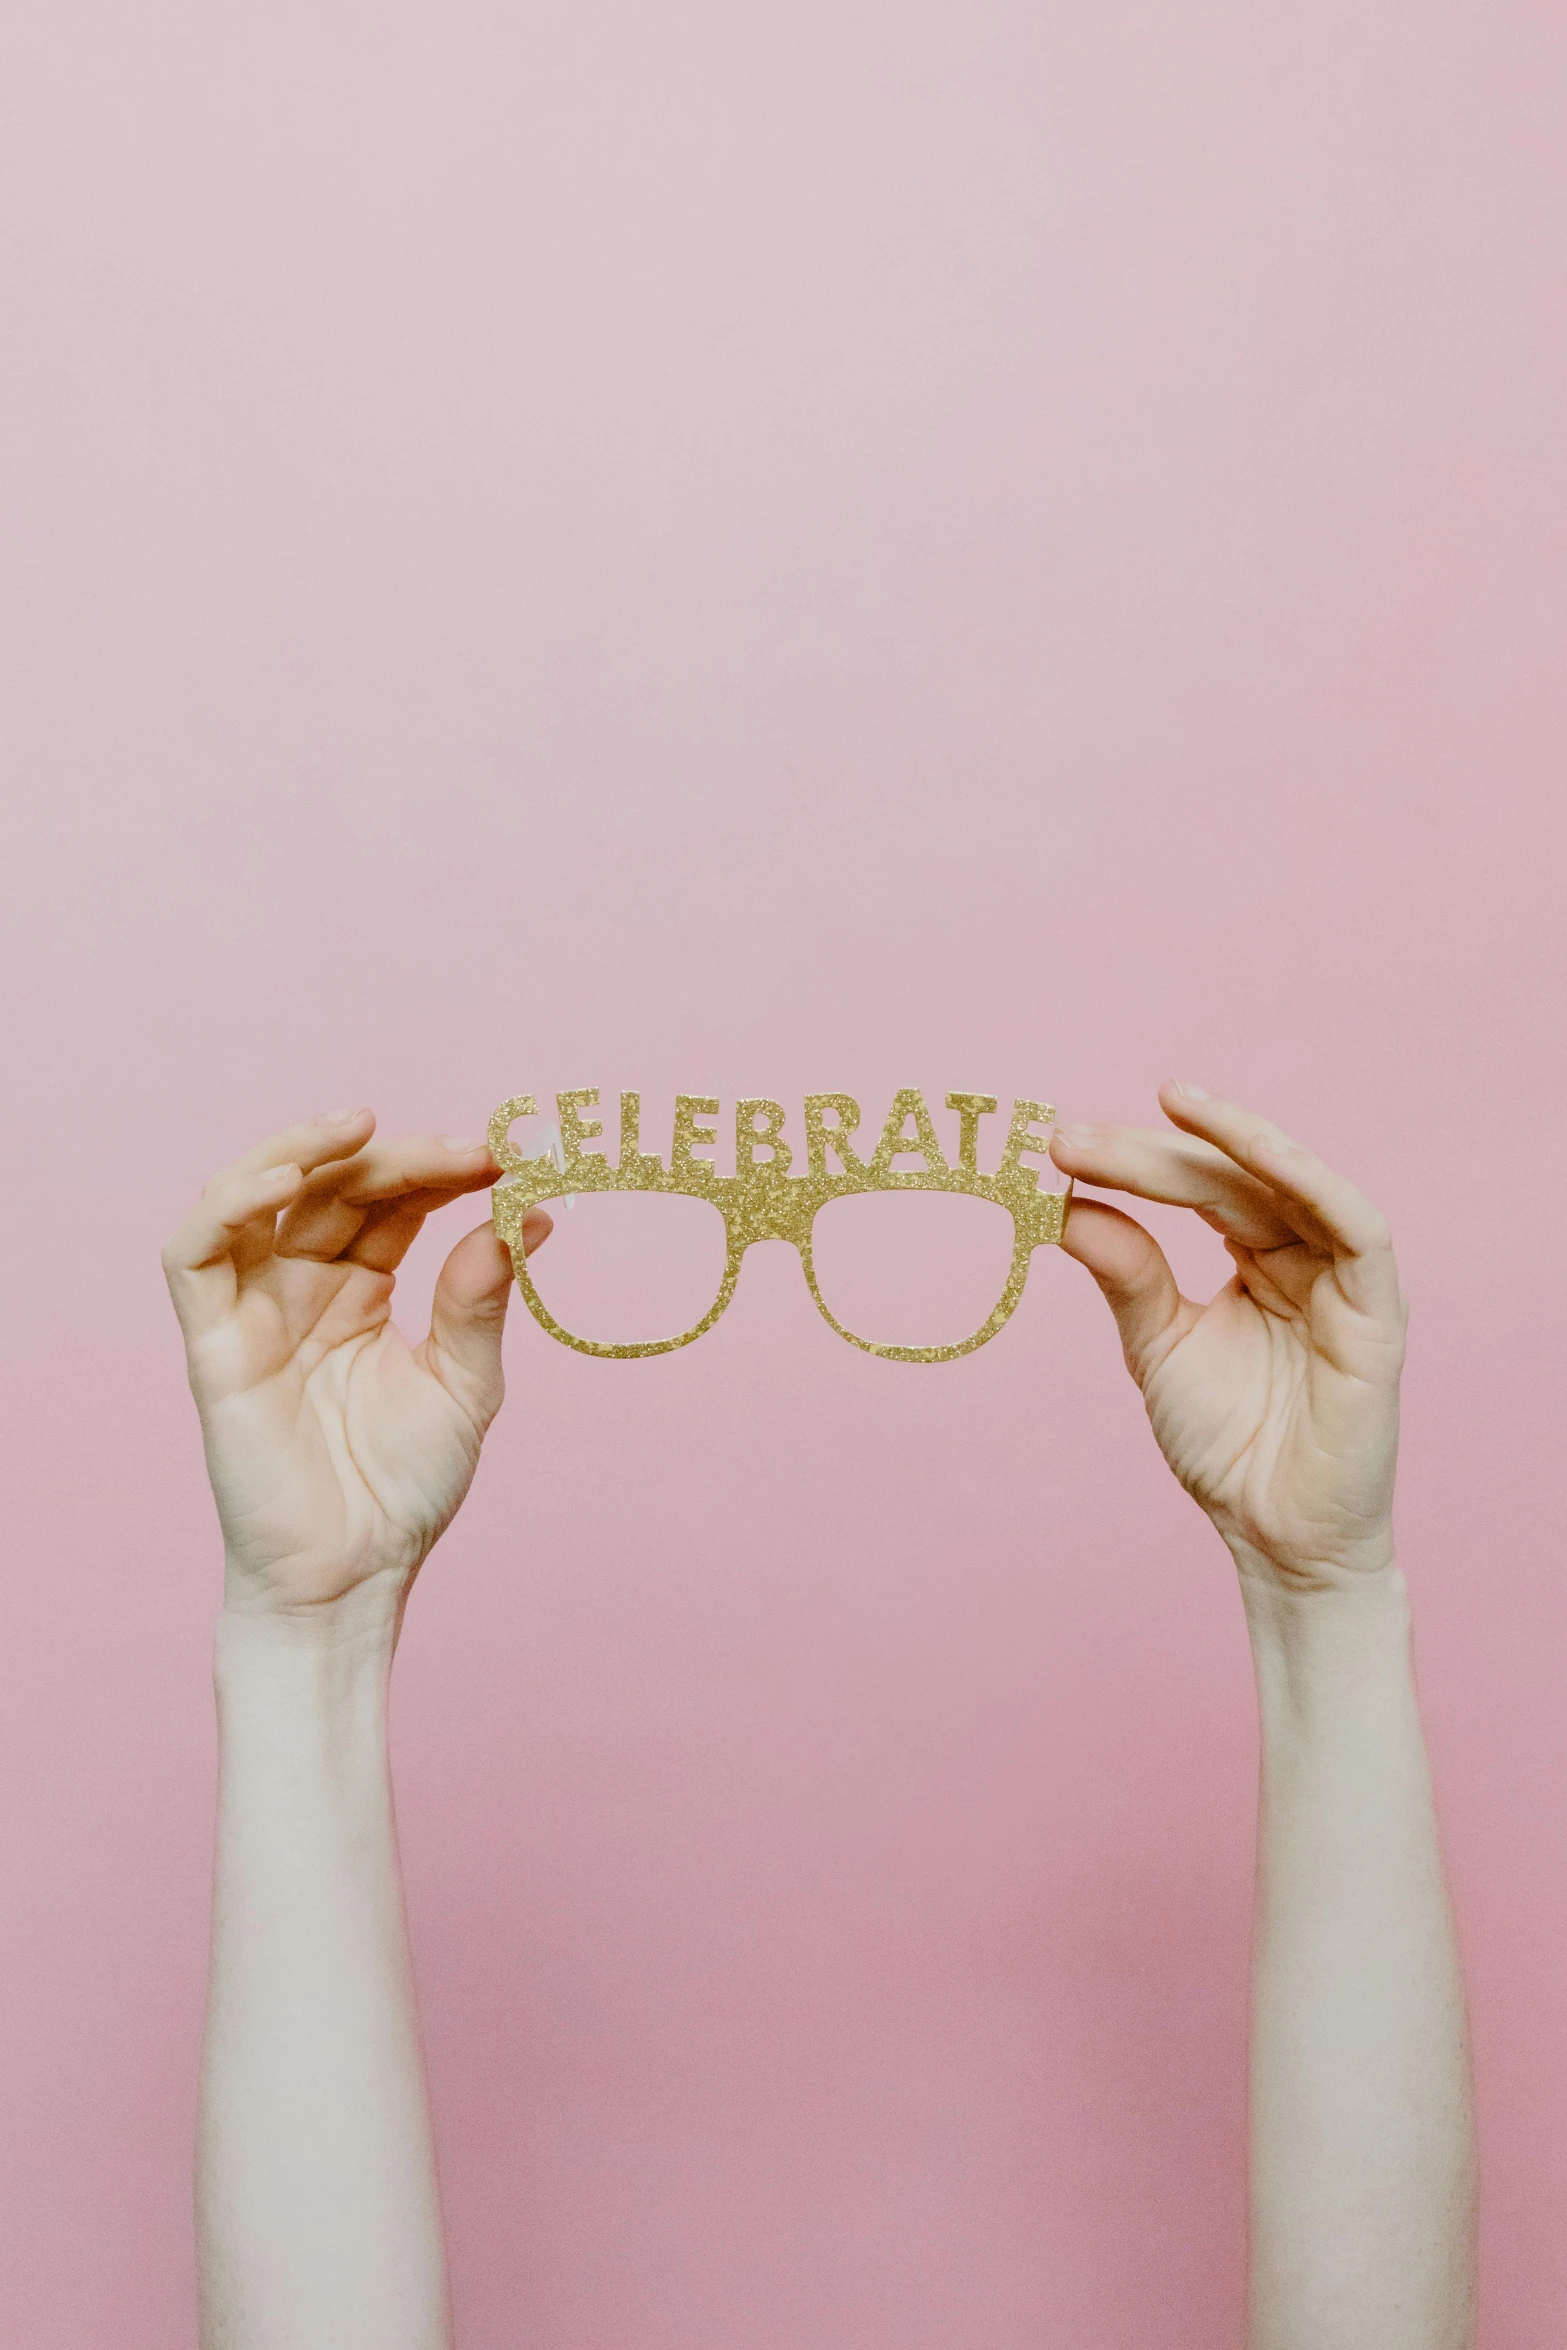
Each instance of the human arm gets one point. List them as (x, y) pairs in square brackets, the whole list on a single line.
[(1276, 1405), (338, 1454)]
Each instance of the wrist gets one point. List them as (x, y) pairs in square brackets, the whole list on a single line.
[(1354, 1561), (309, 1682), (1321, 1651), (365, 1618)]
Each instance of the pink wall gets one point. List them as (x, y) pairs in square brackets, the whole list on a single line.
[(759, 549)]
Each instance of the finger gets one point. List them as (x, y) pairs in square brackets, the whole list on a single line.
[(389, 1229), (1184, 1172), (339, 1198), (333, 1134), (467, 1317), (230, 1226), (381, 1236), (210, 1232), (1293, 1173), (1134, 1274)]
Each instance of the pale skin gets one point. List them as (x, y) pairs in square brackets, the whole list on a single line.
[(1276, 1406), (338, 1455)]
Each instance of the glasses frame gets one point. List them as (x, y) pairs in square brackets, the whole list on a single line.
[(763, 1201)]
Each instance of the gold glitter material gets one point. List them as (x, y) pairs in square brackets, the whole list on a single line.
[(763, 1201)]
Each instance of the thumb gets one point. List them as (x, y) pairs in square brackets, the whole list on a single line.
[(1134, 1273), (467, 1317)]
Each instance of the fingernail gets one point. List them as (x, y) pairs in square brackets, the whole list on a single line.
[(463, 1142), (336, 1117), (279, 1178), (1078, 1137), (1193, 1093)]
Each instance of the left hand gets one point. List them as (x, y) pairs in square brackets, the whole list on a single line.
[(1276, 1403)]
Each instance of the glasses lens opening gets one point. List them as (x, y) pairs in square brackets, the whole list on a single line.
[(912, 1268), (622, 1268)]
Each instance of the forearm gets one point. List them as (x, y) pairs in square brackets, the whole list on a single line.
[(317, 2213), (1362, 2177)]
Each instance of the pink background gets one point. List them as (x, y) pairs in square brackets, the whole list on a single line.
[(758, 549)]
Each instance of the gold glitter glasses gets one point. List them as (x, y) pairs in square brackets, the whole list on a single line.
[(762, 1200)]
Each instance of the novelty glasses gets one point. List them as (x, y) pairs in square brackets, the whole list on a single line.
[(762, 1200)]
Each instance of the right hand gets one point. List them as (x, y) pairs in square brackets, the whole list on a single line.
[(338, 1454)]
